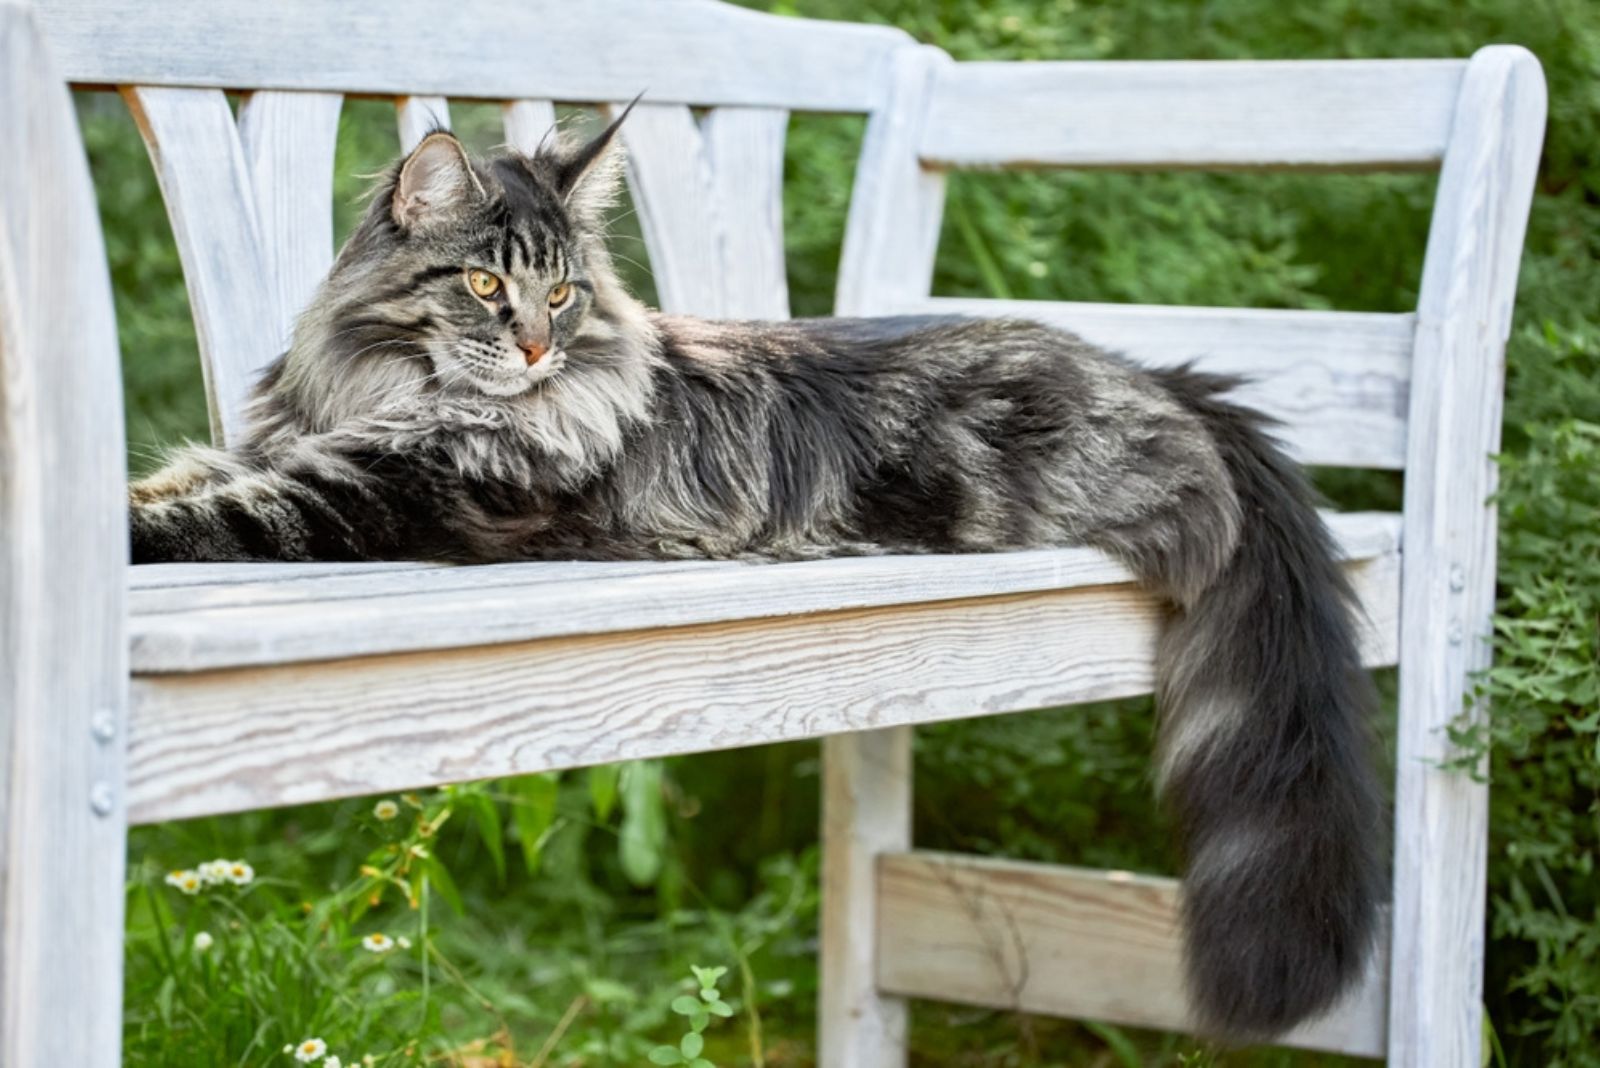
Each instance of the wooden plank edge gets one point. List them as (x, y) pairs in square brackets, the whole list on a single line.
[(259, 635)]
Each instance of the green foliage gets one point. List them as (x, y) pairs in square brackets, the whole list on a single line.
[(697, 1012), (628, 877)]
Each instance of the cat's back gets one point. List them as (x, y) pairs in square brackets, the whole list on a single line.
[(923, 344)]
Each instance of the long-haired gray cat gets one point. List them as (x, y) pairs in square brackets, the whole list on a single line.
[(472, 383)]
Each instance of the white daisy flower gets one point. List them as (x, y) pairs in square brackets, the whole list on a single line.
[(333, 1062), (386, 810), (203, 941), (377, 942), (403, 942), (312, 1049), (239, 872), (214, 872), (184, 879)]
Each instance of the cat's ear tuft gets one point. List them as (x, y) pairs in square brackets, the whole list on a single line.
[(435, 180), (588, 177)]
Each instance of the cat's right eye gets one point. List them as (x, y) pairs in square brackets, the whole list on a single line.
[(482, 283)]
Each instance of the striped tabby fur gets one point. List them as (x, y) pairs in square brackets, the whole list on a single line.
[(414, 418)]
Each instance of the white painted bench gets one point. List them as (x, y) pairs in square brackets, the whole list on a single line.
[(175, 691)]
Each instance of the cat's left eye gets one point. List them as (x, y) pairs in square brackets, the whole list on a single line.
[(483, 283), (559, 295)]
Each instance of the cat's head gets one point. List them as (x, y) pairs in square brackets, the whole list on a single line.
[(475, 278)]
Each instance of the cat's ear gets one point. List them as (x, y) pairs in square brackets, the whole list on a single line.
[(435, 180), (589, 176)]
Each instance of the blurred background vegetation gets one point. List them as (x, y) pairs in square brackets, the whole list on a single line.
[(574, 956)]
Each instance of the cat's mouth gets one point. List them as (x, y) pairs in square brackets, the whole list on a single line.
[(517, 381)]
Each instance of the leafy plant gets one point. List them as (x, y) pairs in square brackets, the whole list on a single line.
[(697, 1012)]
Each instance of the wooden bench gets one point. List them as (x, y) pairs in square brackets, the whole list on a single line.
[(158, 693)]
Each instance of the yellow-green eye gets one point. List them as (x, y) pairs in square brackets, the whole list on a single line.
[(483, 283), (560, 294)]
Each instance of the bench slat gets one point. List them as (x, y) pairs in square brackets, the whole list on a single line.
[(1342, 114), (710, 202), (419, 116), (682, 51), (289, 141), (1063, 941), (1338, 381), (206, 183), (527, 123), (673, 192), (296, 612), (220, 741), (744, 147)]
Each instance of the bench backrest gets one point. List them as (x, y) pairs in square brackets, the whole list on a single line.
[(251, 199)]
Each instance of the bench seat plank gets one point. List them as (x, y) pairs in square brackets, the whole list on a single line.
[(655, 662), (198, 617)]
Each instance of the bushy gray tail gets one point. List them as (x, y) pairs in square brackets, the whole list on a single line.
[(1265, 752)]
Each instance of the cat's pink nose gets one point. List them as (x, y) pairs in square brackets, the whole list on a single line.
[(533, 352)]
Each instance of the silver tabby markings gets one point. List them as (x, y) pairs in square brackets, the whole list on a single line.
[(472, 383)]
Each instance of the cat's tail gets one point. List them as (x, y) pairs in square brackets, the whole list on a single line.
[(1264, 752)]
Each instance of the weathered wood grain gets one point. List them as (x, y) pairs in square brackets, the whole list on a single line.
[(1339, 382), (1060, 941), (1373, 114), (288, 141), (682, 51), (63, 548), (674, 194), (744, 149), (291, 613), (866, 814), (205, 180), (892, 231), (1463, 319), (220, 741), (710, 202)]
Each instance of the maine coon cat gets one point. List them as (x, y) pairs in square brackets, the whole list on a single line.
[(472, 383)]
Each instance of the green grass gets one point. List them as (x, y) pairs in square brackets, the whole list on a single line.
[(562, 915)]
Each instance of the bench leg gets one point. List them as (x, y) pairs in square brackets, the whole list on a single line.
[(63, 569), (866, 811), (1447, 589)]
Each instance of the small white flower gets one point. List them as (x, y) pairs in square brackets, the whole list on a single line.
[(203, 941), (214, 872), (333, 1062), (377, 942), (289, 1048), (386, 810), (312, 1049), (403, 942), (184, 879), (239, 873)]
